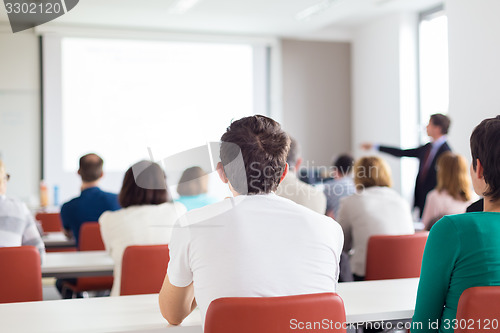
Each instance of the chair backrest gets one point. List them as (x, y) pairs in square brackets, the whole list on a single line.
[(91, 240), (20, 277), (395, 256), (51, 222), (90, 237), (276, 314), (143, 269), (479, 310)]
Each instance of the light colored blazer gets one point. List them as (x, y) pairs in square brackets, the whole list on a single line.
[(377, 210)]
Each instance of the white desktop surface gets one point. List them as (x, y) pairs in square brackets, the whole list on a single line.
[(364, 301), (379, 300), (57, 239), (77, 264)]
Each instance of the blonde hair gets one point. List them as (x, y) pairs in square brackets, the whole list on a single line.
[(193, 181), (453, 176), (372, 171)]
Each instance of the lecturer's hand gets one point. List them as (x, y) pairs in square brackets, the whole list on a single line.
[(367, 146)]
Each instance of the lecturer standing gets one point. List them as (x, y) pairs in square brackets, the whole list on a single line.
[(428, 155)]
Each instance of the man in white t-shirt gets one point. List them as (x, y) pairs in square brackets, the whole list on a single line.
[(255, 244)]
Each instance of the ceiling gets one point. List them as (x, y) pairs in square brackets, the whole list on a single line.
[(249, 17)]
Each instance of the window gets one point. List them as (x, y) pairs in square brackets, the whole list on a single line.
[(433, 66)]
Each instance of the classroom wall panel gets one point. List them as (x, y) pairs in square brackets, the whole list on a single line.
[(317, 97), (20, 112)]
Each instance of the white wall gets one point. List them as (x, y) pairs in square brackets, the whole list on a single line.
[(383, 96), (20, 112), (317, 98), (474, 48)]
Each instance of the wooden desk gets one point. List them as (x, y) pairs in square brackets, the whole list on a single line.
[(364, 301), (77, 264), (54, 240)]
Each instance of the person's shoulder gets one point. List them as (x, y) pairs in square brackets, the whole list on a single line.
[(109, 195), (110, 216), (12, 201), (175, 207), (433, 194), (450, 223), (14, 206), (111, 199), (387, 191), (71, 203)]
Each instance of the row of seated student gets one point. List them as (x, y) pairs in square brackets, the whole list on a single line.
[(142, 213), (265, 246), (259, 244)]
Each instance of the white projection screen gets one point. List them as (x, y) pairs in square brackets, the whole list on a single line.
[(129, 100)]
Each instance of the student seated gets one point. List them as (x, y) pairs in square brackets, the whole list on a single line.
[(296, 190), (147, 216), (17, 225), (193, 189), (452, 194), (463, 250), (92, 201), (375, 209), (341, 186), (255, 243), (88, 207)]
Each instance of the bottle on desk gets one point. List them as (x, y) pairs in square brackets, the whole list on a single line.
[(44, 195), (56, 196)]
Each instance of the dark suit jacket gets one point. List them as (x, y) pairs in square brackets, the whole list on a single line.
[(477, 206), (423, 185)]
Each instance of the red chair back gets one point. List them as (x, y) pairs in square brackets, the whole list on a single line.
[(479, 310), (51, 222), (90, 237), (143, 269), (395, 257), (21, 276), (91, 240), (276, 314)]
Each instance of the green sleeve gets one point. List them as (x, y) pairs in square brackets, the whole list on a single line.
[(441, 251)]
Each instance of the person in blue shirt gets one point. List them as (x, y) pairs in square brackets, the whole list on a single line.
[(89, 206), (193, 188), (92, 201)]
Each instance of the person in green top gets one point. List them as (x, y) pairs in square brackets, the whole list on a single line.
[(463, 250)]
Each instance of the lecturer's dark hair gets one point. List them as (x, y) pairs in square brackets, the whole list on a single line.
[(441, 121)]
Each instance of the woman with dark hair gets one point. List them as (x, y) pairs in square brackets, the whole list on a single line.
[(146, 217), (463, 250), (452, 194)]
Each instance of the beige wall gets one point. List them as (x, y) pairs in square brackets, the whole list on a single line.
[(317, 97)]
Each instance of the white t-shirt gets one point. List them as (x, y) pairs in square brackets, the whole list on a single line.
[(378, 210), (136, 225), (257, 245)]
